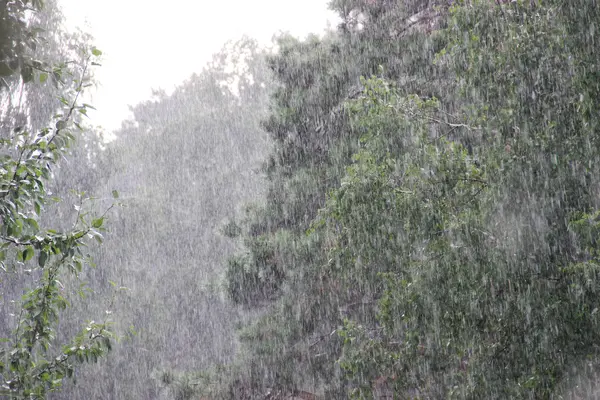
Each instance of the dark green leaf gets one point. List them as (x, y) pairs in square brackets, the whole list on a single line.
[(33, 223), (37, 208), (42, 259), (5, 70), (27, 73), (28, 253)]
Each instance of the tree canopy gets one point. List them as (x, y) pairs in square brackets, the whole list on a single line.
[(431, 219)]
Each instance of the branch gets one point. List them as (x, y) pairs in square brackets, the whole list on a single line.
[(452, 125), (59, 127), (321, 338)]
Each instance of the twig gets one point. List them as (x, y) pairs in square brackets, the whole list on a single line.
[(58, 129), (321, 338)]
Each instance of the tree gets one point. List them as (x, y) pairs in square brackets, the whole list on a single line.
[(17, 39), (490, 257), (40, 265), (183, 165), (314, 143), (441, 219)]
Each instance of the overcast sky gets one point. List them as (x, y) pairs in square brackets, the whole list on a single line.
[(151, 44)]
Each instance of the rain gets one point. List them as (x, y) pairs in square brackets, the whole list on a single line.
[(342, 199)]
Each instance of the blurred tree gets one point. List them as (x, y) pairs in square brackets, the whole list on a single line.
[(17, 38), (183, 165)]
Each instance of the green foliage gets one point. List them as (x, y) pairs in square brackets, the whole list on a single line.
[(17, 39), (25, 43), (314, 143), (485, 309), (39, 262), (450, 240)]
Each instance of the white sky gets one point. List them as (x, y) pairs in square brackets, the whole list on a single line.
[(158, 44)]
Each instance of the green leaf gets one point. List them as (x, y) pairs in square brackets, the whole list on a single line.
[(115, 194), (33, 223), (97, 223), (27, 73), (28, 253), (43, 77), (96, 52), (42, 259)]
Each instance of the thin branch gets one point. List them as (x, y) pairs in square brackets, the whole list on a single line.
[(58, 129), (452, 125), (14, 241), (73, 104)]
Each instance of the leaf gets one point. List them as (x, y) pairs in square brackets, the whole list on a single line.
[(28, 253), (5, 70), (33, 223), (27, 73), (97, 223), (96, 235), (96, 52), (115, 194), (43, 77), (42, 259)]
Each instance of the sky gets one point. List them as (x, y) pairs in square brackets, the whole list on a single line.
[(150, 44)]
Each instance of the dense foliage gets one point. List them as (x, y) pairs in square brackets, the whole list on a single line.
[(430, 231)]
